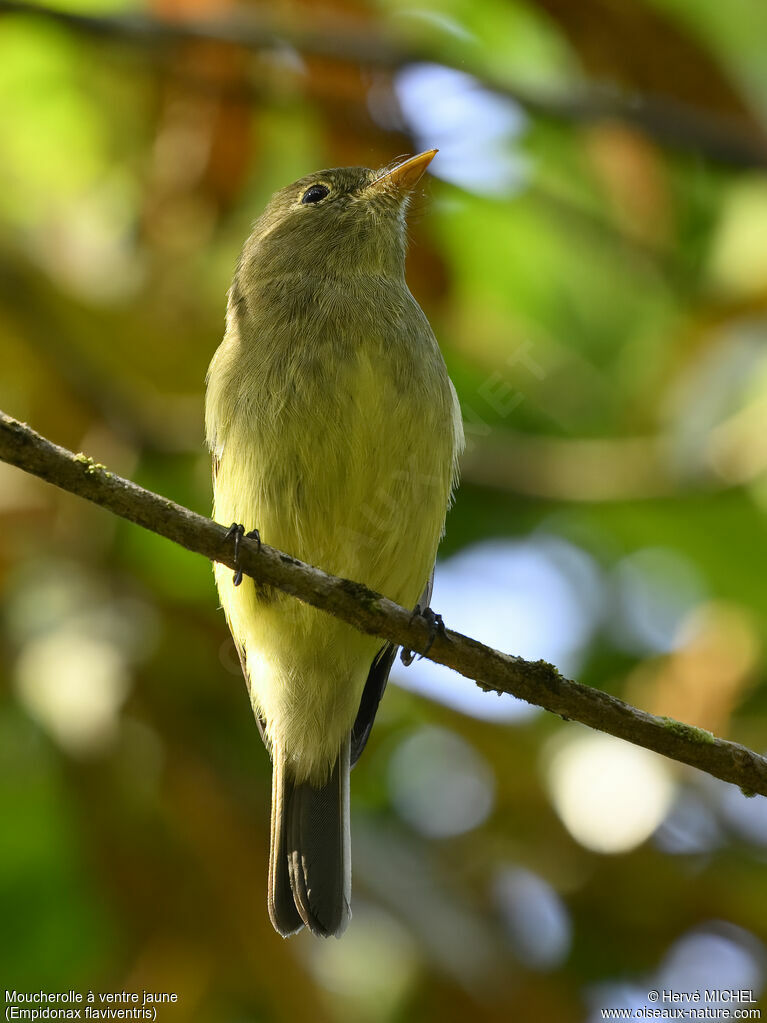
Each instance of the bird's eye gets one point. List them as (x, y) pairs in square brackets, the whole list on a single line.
[(315, 194)]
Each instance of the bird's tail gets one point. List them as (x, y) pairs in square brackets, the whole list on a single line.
[(310, 861)]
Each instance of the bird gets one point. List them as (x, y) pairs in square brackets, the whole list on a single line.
[(335, 434)]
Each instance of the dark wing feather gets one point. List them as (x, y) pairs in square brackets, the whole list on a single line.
[(425, 599), (375, 685), (371, 697)]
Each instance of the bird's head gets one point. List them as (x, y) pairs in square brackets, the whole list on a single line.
[(348, 220)]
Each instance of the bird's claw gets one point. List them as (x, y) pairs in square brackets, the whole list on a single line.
[(436, 627), (237, 532)]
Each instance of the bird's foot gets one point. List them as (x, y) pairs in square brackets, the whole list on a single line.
[(436, 627), (237, 532)]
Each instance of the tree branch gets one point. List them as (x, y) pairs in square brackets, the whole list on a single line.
[(533, 681), (667, 120)]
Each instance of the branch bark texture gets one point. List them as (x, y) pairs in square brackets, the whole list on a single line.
[(536, 682)]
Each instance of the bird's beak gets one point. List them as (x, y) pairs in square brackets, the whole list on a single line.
[(406, 174)]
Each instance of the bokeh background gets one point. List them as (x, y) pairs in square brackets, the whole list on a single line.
[(591, 250)]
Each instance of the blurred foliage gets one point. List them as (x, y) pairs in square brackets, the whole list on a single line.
[(591, 253)]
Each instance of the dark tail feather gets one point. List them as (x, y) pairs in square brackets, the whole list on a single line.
[(310, 867), (282, 907)]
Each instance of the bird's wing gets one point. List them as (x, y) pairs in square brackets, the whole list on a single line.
[(373, 692), (371, 697), (425, 599), (375, 685), (243, 664)]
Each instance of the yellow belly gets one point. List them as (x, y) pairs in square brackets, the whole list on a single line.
[(355, 480)]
